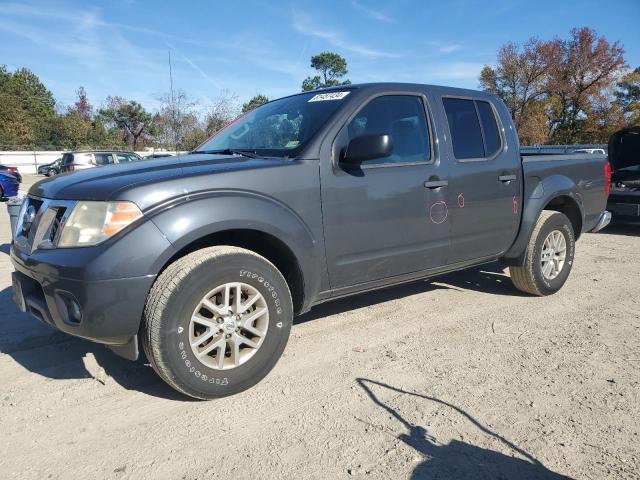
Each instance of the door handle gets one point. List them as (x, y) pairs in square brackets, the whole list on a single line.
[(506, 178), (436, 183)]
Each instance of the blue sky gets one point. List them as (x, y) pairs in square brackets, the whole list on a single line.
[(120, 47)]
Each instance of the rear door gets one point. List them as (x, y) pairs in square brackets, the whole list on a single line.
[(485, 180), (379, 218)]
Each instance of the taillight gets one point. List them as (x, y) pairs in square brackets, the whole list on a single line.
[(12, 170), (70, 167), (607, 178)]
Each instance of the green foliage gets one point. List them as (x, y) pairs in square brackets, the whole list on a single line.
[(331, 67), (27, 108), (131, 118), (628, 95), (255, 102), (175, 121), (70, 131)]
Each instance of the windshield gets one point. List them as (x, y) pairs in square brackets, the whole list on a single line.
[(280, 128)]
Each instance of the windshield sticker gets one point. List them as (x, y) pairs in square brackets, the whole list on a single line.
[(321, 97), (292, 144)]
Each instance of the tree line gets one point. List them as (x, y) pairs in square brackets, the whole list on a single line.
[(566, 91), (573, 90)]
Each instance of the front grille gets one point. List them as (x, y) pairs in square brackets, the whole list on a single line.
[(57, 221), (39, 223)]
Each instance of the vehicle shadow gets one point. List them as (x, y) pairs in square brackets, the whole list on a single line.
[(43, 350), (362, 300), (457, 459), (618, 227), (490, 278)]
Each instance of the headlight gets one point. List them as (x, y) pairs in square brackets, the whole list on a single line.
[(93, 222)]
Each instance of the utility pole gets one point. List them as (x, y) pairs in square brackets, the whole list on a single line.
[(174, 118)]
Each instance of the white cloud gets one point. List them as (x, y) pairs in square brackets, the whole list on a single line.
[(458, 74), (195, 66), (302, 24), (445, 47), (375, 14)]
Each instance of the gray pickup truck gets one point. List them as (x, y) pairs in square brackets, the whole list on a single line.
[(205, 259)]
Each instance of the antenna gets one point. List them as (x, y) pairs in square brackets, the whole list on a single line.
[(174, 117)]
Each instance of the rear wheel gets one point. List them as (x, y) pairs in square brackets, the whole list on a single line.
[(217, 321), (549, 256), (52, 172)]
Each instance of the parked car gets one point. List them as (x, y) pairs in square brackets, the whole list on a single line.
[(8, 185), (624, 155), (73, 161), (206, 258), (597, 151), (11, 170), (50, 169)]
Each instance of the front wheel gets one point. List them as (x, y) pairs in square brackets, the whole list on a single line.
[(549, 256), (217, 321)]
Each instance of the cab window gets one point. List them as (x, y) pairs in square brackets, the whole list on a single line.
[(403, 118), (473, 127)]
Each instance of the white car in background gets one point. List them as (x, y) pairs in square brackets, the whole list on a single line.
[(72, 161), (598, 151)]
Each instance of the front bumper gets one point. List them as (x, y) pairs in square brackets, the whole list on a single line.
[(105, 311)]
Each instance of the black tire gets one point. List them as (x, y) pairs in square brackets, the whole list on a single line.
[(52, 172), (529, 277), (175, 295)]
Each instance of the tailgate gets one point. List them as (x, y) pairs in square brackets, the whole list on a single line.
[(624, 149)]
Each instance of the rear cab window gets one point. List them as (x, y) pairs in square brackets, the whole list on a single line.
[(473, 127)]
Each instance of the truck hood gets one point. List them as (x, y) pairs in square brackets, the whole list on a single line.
[(105, 183)]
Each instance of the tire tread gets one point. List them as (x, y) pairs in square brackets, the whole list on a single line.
[(167, 283), (523, 276)]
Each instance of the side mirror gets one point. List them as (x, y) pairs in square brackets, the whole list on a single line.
[(367, 147)]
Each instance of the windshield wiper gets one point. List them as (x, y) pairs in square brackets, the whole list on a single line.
[(229, 151)]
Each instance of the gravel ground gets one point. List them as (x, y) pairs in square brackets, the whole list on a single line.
[(458, 377)]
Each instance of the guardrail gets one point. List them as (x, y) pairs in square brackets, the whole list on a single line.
[(559, 149)]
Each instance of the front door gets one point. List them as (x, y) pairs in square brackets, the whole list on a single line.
[(382, 219)]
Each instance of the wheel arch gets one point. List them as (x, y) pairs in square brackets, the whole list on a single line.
[(260, 242), (557, 193), (259, 224)]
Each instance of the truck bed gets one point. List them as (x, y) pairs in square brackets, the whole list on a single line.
[(585, 170)]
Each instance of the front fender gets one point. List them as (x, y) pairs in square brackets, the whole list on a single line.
[(196, 216), (538, 194)]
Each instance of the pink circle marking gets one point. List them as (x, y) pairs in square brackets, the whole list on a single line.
[(446, 212)]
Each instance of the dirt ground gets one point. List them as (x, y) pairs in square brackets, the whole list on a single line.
[(458, 377)]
